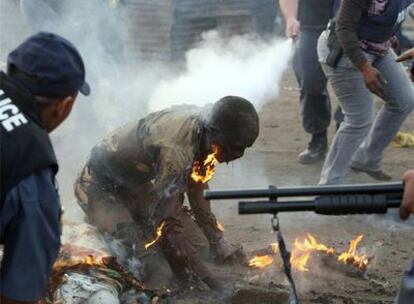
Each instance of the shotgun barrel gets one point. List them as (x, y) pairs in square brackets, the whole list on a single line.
[(329, 200)]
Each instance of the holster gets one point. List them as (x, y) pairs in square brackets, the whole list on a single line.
[(335, 49)]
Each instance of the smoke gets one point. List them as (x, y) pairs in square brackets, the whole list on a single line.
[(126, 89), (245, 66)]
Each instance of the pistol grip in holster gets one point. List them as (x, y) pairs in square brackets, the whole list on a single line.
[(335, 49)]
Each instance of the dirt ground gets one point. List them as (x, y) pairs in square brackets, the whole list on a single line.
[(273, 161)]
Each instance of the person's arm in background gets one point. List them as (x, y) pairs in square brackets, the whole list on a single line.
[(289, 10), (407, 205), (408, 55), (347, 24)]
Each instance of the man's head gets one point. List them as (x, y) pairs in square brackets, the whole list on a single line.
[(51, 69), (233, 126)]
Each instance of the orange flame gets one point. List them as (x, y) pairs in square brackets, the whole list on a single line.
[(350, 257), (260, 261), (274, 247), (302, 250), (87, 262), (203, 172), (158, 233), (220, 226)]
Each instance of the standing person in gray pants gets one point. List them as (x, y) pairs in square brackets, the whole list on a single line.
[(363, 31), (305, 21)]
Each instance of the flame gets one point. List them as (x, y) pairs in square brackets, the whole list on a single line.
[(302, 250), (158, 234), (260, 261), (220, 226), (274, 247), (88, 261), (350, 257), (203, 172)]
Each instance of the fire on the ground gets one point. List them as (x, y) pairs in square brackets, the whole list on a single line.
[(303, 249)]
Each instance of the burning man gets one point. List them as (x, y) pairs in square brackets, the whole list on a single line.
[(132, 187)]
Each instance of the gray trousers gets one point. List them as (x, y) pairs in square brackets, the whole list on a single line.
[(406, 294), (314, 98), (363, 136)]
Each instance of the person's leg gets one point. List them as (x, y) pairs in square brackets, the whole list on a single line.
[(357, 105), (102, 206), (406, 292), (194, 234), (399, 104), (314, 98)]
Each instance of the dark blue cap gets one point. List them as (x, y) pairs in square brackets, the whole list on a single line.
[(48, 65)]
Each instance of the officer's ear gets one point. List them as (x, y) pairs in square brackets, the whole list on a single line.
[(54, 113), (64, 107)]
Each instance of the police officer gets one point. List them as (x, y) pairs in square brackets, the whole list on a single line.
[(44, 75), (305, 20)]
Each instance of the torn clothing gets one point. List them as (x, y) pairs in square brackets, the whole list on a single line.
[(139, 173), (107, 209), (160, 148)]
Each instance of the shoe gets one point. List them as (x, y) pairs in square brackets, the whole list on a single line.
[(377, 175), (315, 151)]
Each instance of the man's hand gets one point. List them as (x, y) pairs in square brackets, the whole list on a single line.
[(395, 43), (407, 55), (229, 253), (407, 205), (373, 80), (292, 28)]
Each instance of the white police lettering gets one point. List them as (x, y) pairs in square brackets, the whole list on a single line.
[(10, 116)]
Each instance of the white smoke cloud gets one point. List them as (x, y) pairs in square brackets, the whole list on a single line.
[(242, 65)]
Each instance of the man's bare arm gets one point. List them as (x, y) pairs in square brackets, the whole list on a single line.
[(223, 250), (289, 10), (202, 211)]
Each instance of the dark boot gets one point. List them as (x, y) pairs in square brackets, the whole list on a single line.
[(377, 175), (316, 149)]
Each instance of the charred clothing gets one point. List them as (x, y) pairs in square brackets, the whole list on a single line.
[(139, 173)]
